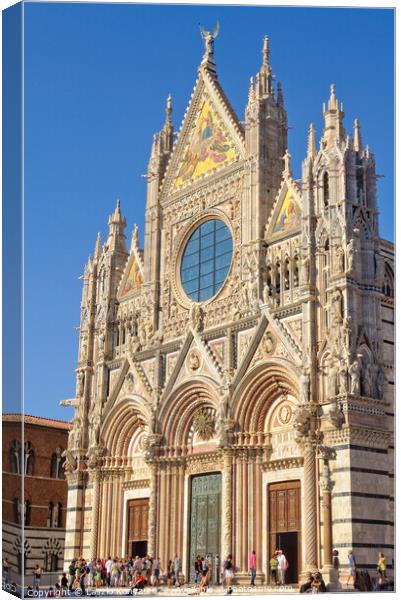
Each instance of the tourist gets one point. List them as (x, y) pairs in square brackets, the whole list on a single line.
[(114, 573), (139, 581), (177, 569), (138, 565), (6, 570), (71, 571), (229, 572), (37, 574), (170, 573), (307, 585), (64, 582), (98, 574), (252, 567), (197, 568), (336, 561), (273, 569), (281, 567), (318, 585), (156, 571), (204, 576), (82, 577), (108, 565), (352, 567), (381, 565)]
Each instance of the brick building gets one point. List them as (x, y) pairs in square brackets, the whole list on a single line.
[(33, 447)]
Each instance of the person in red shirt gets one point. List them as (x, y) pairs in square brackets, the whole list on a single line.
[(252, 567)]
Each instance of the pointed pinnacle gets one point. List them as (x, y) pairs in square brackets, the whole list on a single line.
[(251, 93), (357, 136), (311, 141), (169, 109), (117, 212), (98, 250), (266, 52), (280, 97), (333, 102)]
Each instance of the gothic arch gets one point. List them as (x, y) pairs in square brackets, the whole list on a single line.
[(177, 413), (363, 226), (388, 283), (120, 423), (259, 389)]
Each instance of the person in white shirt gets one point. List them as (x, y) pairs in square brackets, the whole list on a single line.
[(109, 564), (282, 567)]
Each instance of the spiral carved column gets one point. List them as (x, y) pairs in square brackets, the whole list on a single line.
[(226, 504), (326, 487), (310, 505), (152, 509)]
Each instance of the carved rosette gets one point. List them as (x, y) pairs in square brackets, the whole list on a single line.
[(204, 424)]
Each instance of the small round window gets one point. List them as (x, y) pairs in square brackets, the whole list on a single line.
[(206, 260)]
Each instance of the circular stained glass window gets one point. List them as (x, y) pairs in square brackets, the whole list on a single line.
[(206, 260)]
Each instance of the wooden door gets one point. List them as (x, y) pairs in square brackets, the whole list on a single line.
[(285, 523), (138, 513)]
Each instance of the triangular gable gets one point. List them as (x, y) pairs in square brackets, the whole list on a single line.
[(195, 359), (130, 380), (132, 278), (286, 214), (208, 146), (210, 138)]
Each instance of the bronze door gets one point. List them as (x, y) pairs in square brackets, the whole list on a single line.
[(285, 524), (137, 517), (205, 521)]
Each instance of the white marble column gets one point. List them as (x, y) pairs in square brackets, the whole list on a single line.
[(152, 509), (95, 480), (309, 505), (226, 505)]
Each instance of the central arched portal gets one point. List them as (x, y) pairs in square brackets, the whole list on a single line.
[(205, 522)]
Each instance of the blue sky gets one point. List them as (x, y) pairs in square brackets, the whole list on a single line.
[(96, 80)]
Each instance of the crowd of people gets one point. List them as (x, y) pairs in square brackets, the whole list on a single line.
[(136, 573)]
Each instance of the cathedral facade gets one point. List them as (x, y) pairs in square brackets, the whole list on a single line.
[(235, 375)]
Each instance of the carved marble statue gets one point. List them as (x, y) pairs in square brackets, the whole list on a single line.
[(305, 270), (343, 377), (70, 463), (336, 416), (351, 255), (339, 259), (336, 306), (301, 421), (196, 316), (355, 374), (332, 377), (80, 383), (367, 380), (245, 295), (304, 385)]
